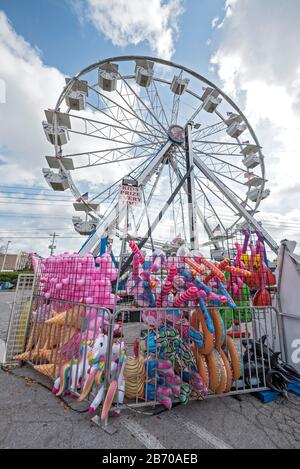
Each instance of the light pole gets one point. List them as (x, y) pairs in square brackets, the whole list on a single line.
[(5, 255), (52, 246)]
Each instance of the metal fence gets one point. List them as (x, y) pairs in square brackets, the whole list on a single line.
[(20, 312), (127, 353), (86, 350)]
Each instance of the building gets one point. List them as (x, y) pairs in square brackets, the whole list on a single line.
[(17, 262)]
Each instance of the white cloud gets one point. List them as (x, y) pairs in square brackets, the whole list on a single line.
[(214, 22), (258, 64), (31, 86), (132, 22)]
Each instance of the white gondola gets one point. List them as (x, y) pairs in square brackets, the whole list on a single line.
[(75, 98), (144, 72), (57, 181), (251, 161), (108, 75), (236, 126), (62, 118), (251, 157), (254, 181), (79, 85), (179, 85), (85, 207), (55, 163), (210, 99), (255, 193), (62, 134), (84, 228)]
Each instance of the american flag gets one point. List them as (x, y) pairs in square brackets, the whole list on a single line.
[(217, 228), (84, 196)]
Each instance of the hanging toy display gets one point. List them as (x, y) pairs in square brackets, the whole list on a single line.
[(189, 307)]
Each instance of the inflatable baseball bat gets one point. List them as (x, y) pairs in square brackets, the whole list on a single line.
[(237, 271), (224, 292), (213, 268), (207, 317), (137, 252), (221, 266), (186, 296), (200, 270)]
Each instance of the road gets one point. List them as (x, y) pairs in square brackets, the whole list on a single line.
[(31, 417)]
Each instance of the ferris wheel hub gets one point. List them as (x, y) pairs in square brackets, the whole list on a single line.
[(176, 134)]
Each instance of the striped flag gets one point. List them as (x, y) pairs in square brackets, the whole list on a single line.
[(83, 197), (217, 228)]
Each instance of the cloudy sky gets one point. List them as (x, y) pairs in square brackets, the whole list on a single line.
[(250, 48)]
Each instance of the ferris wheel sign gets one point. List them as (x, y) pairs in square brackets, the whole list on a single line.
[(130, 194)]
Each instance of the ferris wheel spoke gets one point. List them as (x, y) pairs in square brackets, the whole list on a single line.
[(89, 159), (201, 216), (163, 111), (116, 184), (209, 130), (175, 109), (215, 194), (128, 135), (216, 190), (144, 106), (220, 166), (153, 131), (124, 113), (149, 199), (108, 150), (211, 206), (128, 130), (107, 125), (114, 161), (196, 113), (219, 148)]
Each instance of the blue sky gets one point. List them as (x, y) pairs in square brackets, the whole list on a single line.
[(244, 46), (53, 27)]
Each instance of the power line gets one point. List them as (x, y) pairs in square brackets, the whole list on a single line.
[(27, 188), (51, 194), (30, 203)]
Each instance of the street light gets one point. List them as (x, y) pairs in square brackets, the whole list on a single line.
[(5, 255)]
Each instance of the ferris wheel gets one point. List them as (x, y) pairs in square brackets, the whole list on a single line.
[(165, 129)]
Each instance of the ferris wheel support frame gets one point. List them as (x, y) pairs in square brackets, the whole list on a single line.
[(234, 202), (159, 217), (199, 212), (191, 188)]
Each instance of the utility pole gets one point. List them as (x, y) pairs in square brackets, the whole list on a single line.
[(5, 255), (52, 246)]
